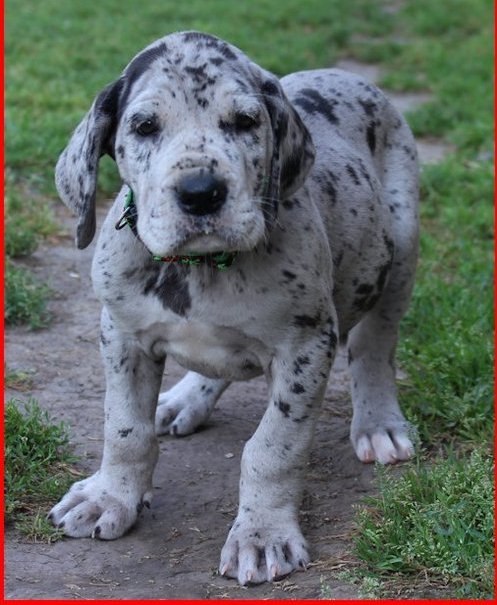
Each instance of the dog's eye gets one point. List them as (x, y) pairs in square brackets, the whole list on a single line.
[(147, 127), (244, 122)]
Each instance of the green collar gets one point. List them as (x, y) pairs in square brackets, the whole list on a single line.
[(220, 260)]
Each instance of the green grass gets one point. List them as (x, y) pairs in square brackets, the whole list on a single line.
[(37, 467), (446, 345), (436, 520), (26, 298), (28, 218), (18, 380)]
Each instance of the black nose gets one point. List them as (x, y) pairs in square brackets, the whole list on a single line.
[(201, 193)]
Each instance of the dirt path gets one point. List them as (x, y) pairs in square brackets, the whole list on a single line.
[(173, 551)]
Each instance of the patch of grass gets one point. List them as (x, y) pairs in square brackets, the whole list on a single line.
[(18, 380), (434, 519), (37, 467), (25, 298), (445, 47), (446, 343), (28, 218)]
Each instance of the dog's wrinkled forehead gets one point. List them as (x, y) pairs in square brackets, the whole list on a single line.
[(188, 57)]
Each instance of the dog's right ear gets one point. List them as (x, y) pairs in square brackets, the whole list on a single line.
[(77, 167)]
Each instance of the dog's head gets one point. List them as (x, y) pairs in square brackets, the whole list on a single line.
[(206, 140)]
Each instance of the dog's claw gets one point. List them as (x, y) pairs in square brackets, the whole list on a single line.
[(224, 569)]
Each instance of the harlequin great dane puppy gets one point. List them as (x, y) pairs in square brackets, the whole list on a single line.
[(262, 221)]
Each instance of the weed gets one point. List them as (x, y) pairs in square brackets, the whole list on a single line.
[(36, 527), (18, 380), (25, 298), (37, 464), (26, 222), (28, 217)]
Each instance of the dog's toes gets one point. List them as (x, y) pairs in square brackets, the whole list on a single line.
[(164, 415), (404, 446), (97, 507), (113, 523), (257, 555), (364, 449), (79, 522), (176, 418), (384, 446)]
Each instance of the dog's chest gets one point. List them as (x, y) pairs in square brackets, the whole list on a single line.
[(209, 349)]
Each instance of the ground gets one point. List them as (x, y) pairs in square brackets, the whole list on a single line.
[(173, 551)]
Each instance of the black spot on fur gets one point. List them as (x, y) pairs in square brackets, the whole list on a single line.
[(269, 88), (369, 106), (366, 303), (172, 289), (217, 61), (297, 388), (302, 418), (306, 321), (289, 275), (353, 174), (137, 67), (364, 289), (211, 42), (371, 136), (290, 170), (283, 407), (125, 432), (314, 103)]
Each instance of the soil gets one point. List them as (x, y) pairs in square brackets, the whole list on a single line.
[(173, 550)]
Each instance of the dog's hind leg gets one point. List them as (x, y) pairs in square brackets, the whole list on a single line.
[(188, 404), (379, 430)]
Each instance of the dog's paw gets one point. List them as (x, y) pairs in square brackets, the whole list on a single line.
[(385, 444), (93, 508), (256, 554), (187, 405), (178, 418)]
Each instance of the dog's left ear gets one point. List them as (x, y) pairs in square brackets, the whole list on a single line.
[(77, 167), (293, 149)]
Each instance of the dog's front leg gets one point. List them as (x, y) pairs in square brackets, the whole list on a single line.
[(265, 541), (106, 504)]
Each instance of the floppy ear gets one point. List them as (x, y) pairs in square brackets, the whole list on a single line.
[(77, 167), (293, 149)]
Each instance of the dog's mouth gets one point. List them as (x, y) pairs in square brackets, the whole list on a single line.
[(210, 243)]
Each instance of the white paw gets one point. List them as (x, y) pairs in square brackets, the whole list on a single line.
[(93, 508), (386, 445), (263, 553), (177, 418), (187, 405)]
